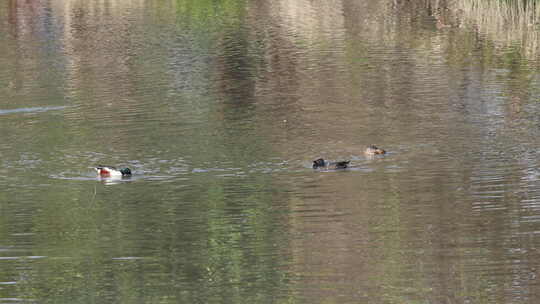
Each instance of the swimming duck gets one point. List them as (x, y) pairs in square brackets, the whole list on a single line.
[(108, 171), (372, 150), (321, 163)]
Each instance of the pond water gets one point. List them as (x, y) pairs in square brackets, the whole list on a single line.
[(219, 109)]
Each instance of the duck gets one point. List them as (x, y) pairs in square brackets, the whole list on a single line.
[(108, 171), (321, 163), (372, 150)]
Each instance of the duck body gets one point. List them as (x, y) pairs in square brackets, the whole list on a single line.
[(374, 150), (108, 171), (321, 163), (341, 164)]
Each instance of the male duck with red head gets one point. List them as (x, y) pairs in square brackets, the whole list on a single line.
[(108, 171)]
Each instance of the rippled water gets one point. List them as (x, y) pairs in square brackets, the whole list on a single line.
[(219, 109)]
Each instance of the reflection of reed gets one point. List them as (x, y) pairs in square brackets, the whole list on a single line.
[(505, 22)]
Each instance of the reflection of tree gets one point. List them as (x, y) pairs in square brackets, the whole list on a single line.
[(444, 263), (215, 81), (193, 243), (193, 246)]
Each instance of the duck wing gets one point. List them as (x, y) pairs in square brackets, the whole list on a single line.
[(342, 164)]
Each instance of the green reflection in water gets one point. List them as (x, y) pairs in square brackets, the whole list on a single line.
[(181, 90), (122, 243)]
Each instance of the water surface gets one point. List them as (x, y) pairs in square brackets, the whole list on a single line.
[(219, 109)]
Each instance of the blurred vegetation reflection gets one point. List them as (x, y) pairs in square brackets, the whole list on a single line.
[(219, 107)]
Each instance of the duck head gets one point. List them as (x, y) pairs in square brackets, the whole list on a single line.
[(372, 150), (319, 163)]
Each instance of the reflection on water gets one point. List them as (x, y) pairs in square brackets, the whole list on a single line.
[(220, 109), (29, 110)]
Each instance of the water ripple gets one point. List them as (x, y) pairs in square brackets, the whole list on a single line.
[(31, 110)]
